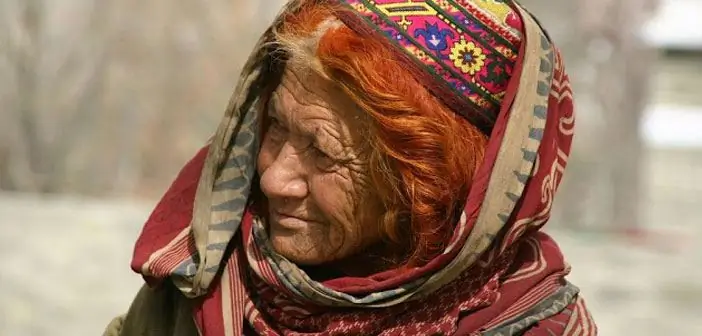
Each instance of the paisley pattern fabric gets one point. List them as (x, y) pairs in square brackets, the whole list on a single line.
[(499, 275)]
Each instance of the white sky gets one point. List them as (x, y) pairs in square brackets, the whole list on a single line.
[(672, 126), (677, 24)]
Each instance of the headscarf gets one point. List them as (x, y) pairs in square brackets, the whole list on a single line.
[(498, 275)]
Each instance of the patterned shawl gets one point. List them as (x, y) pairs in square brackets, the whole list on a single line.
[(499, 275)]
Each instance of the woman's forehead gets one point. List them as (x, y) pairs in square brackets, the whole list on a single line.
[(306, 106), (309, 88), (303, 92), (297, 92)]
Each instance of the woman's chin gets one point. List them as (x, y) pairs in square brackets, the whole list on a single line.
[(304, 254)]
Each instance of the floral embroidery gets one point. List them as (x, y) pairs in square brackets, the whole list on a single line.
[(447, 6), (419, 54), (482, 102), (467, 57), (378, 21), (434, 37), (393, 35), (497, 75), (507, 52), (464, 43), (498, 9), (361, 8)]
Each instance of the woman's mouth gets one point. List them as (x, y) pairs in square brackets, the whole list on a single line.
[(289, 221)]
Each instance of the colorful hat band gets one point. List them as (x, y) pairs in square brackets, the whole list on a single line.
[(467, 47)]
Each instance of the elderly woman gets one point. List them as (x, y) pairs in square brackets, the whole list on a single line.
[(384, 168)]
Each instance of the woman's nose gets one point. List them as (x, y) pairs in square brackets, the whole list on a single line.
[(285, 177)]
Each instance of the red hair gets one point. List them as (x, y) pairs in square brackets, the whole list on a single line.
[(423, 155)]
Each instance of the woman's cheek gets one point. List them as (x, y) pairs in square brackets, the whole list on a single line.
[(332, 195)]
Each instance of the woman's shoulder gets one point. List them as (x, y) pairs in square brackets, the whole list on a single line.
[(573, 320), (160, 311)]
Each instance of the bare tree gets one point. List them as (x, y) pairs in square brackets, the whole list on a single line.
[(53, 98), (113, 96), (20, 47), (622, 64)]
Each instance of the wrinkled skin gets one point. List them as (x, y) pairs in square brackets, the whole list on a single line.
[(313, 168)]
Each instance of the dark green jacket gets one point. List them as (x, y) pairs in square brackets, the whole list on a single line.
[(156, 312)]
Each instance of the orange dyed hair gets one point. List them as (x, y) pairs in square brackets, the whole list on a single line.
[(423, 155)]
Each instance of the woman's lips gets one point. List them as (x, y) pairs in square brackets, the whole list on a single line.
[(289, 221)]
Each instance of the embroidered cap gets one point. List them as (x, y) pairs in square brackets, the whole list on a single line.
[(467, 47)]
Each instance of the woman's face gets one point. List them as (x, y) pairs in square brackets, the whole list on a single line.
[(314, 172)]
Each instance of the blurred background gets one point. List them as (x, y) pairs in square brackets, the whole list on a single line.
[(102, 102)]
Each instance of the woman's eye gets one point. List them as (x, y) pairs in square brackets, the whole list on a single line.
[(323, 160), (275, 124), (319, 153), (273, 121), (276, 132)]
